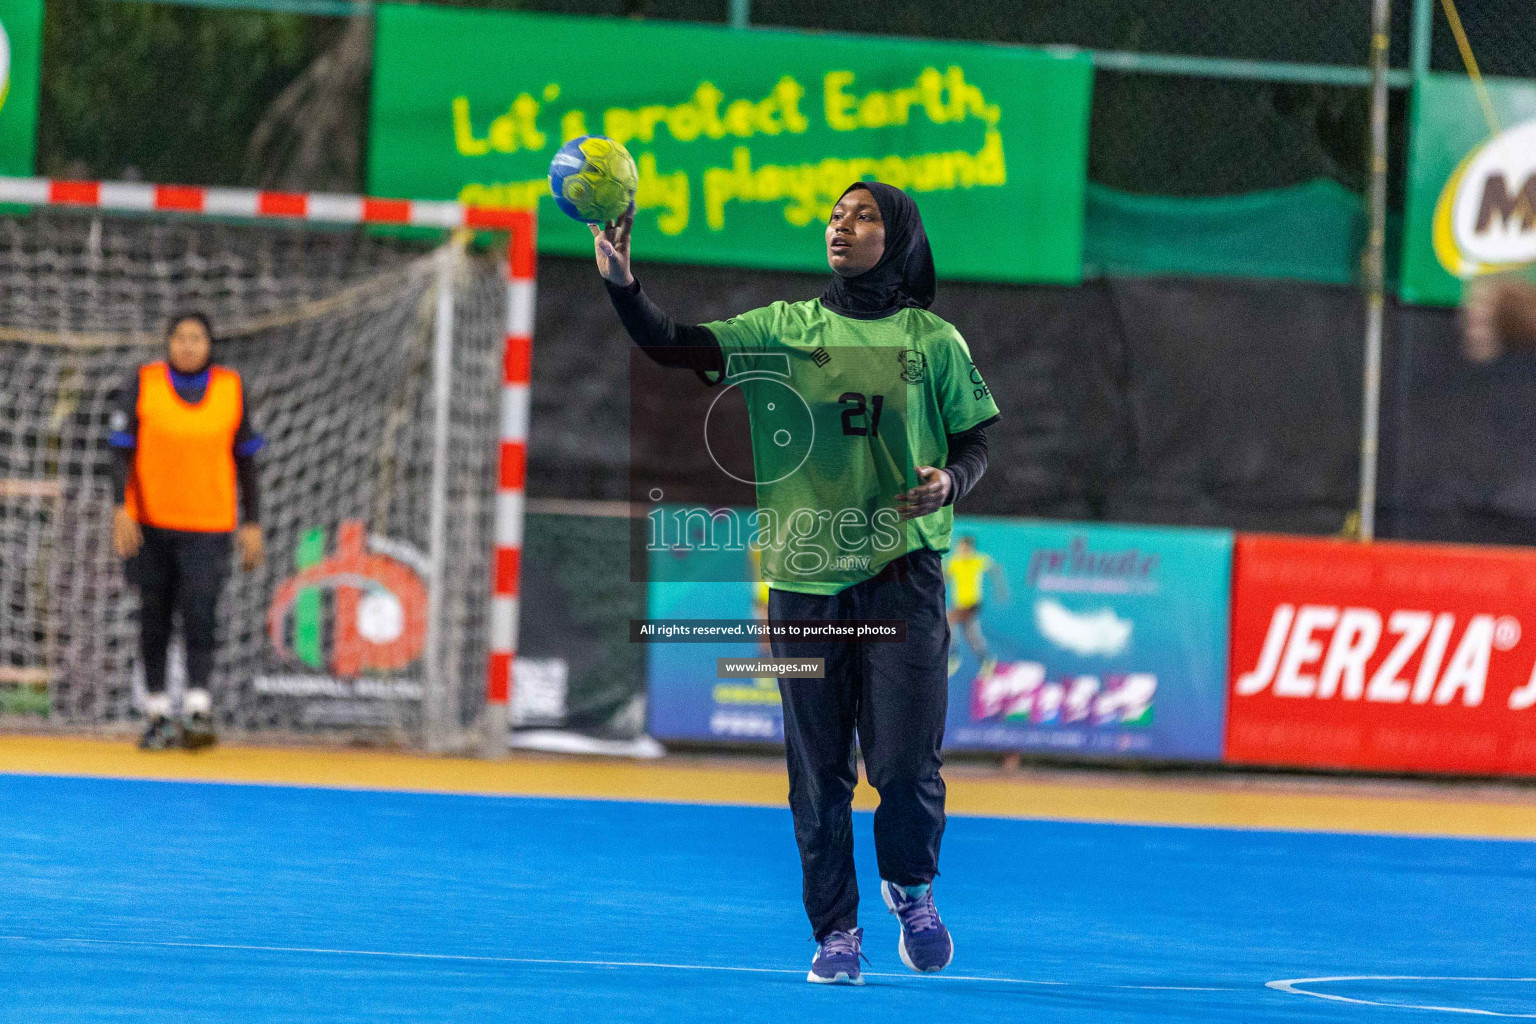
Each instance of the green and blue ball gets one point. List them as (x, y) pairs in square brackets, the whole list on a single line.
[(593, 179)]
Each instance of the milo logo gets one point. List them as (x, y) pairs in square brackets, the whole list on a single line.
[(1485, 218)]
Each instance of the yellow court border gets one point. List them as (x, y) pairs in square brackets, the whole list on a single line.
[(1104, 797)]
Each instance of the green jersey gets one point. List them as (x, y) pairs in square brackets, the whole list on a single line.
[(842, 412)]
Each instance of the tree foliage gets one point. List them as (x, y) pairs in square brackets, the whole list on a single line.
[(160, 92)]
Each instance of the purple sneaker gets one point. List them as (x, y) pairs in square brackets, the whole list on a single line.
[(925, 944), (837, 959)]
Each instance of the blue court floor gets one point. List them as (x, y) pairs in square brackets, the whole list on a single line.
[(155, 901)]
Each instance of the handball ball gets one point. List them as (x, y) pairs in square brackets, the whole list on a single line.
[(593, 179)]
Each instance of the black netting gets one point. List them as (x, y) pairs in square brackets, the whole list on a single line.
[(577, 602), (1166, 135), (1203, 136), (1231, 403), (1502, 34), (1314, 32), (1153, 132)]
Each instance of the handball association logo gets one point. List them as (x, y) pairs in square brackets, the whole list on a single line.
[(378, 607)]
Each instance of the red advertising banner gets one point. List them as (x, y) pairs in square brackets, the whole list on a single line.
[(1388, 656)]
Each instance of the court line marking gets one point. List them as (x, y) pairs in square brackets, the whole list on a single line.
[(574, 963), (1291, 987)]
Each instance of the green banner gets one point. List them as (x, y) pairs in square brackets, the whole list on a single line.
[(744, 139), (21, 44), (1471, 185)]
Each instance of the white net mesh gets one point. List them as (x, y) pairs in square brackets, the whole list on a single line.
[(332, 333)]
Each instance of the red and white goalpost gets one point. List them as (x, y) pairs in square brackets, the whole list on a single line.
[(512, 471), (515, 364)]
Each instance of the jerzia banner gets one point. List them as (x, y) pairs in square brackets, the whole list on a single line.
[(1093, 640), (1395, 657)]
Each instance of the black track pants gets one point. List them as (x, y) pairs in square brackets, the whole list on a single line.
[(181, 571), (895, 696)]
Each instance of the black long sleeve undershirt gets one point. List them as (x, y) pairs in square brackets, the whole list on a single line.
[(669, 343), (691, 347), (967, 460), (246, 478)]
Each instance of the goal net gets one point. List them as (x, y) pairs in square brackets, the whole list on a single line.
[(335, 334)]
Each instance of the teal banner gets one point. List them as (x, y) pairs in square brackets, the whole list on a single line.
[(1075, 638)]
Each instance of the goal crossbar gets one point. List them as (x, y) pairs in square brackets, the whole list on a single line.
[(320, 208), (314, 207)]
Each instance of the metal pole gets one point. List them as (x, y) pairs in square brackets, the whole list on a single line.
[(741, 13), (1375, 267), (1423, 36), (1246, 70), (436, 707)]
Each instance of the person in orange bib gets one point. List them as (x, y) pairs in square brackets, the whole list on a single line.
[(185, 466)]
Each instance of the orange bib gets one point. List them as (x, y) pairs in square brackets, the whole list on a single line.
[(184, 469)]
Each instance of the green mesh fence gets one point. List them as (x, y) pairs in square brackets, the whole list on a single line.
[(1302, 31), (1309, 32), (1186, 135), (1160, 127), (1502, 34), (1167, 135)]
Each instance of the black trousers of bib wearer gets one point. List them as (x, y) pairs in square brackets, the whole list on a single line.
[(894, 695), (178, 570)]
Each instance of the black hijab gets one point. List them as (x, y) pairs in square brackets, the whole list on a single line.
[(170, 329), (903, 277)]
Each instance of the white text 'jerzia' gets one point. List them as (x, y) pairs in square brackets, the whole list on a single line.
[(1300, 659)]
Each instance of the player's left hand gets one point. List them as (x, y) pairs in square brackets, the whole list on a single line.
[(612, 247), (928, 496), (248, 541)]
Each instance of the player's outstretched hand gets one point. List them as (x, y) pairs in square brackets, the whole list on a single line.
[(928, 496), (612, 246)]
